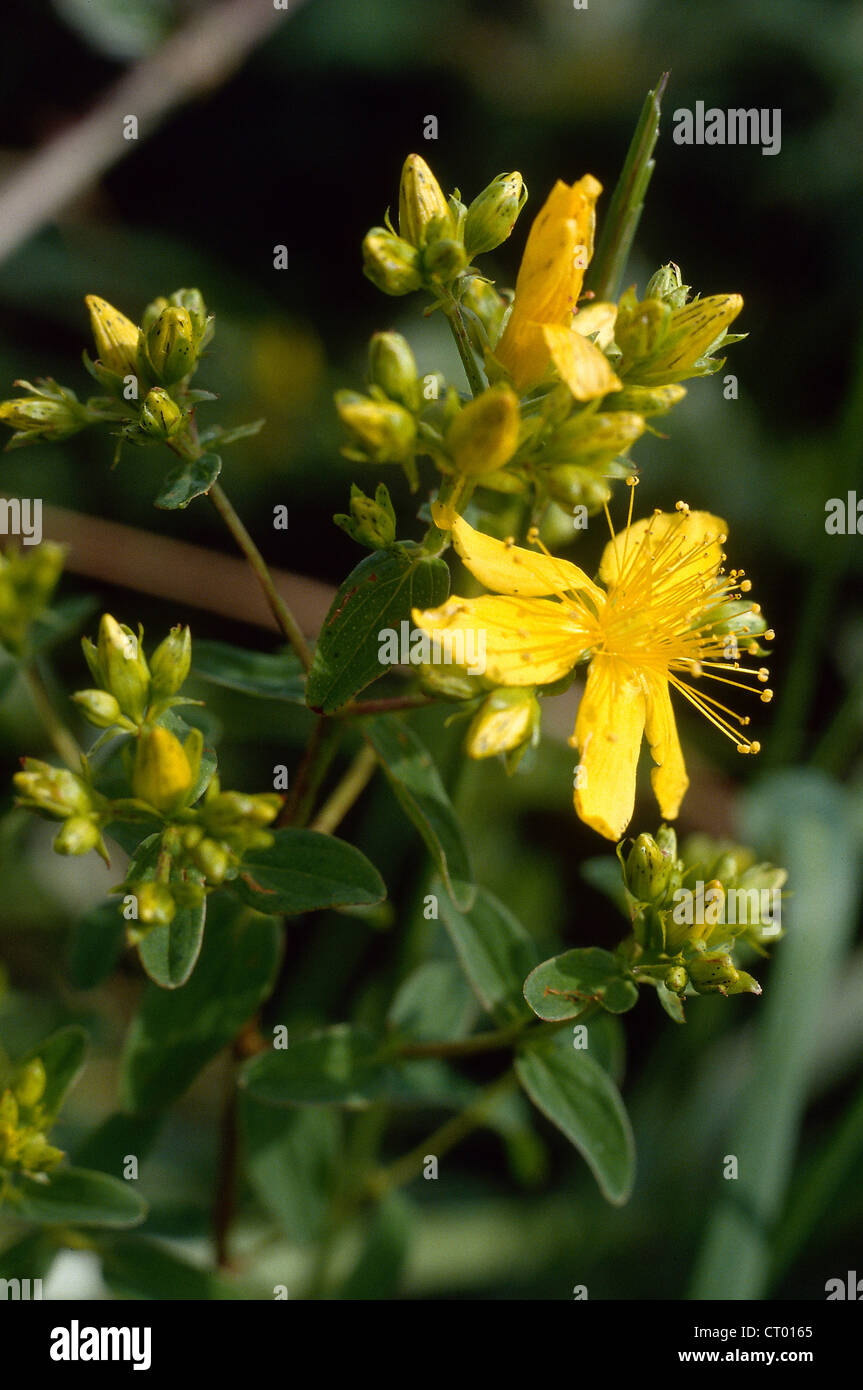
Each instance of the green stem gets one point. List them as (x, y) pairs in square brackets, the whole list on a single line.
[(492, 1041), (352, 785), (455, 318), (410, 1165), (64, 742), (279, 609), (319, 753), (621, 221)]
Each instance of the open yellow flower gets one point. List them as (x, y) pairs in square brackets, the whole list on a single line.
[(653, 619), (540, 328)]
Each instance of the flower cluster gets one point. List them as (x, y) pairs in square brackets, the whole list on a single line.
[(201, 832), (23, 1123), (691, 909), (28, 579)]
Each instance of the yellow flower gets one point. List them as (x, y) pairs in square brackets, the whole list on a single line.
[(657, 616), (115, 336), (540, 328)]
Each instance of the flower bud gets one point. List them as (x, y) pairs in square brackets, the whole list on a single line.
[(506, 719), (30, 1082), (52, 791), (573, 486), (449, 683), (667, 285), (212, 859), (692, 331), (646, 400), (593, 441), (152, 312), (160, 417), (42, 419), (193, 302), (421, 201), (492, 215), (171, 345), (444, 259), (717, 974), (391, 263), (115, 336), (372, 521), (77, 835), (483, 303), (156, 905), (392, 367), (36, 1155), (123, 666), (484, 434), (170, 663), (648, 869), (162, 775), (676, 980), (641, 328), (99, 707), (386, 431)]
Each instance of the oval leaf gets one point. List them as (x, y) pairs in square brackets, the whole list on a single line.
[(304, 871), (573, 1091), (420, 792), (495, 952), (379, 593), (188, 481), (269, 675), (563, 986), (79, 1197)]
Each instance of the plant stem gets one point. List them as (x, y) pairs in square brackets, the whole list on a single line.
[(452, 309), (484, 1042), (311, 772), (352, 785), (62, 739), (279, 609), (410, 1165)]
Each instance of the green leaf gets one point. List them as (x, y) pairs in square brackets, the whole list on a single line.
[(96, 945), (141, 1268), (434, 1003), (175, 1033), (62, 1055), (671, 1003), (378, 1271), (304, 871), (270, 675), (349, 1066), (571, 1089), (379, 593), (187, 481), (420, 792), (495, 952), (168, 954), (563, 986), (76, 1196), (290, 1162), (107, 1146)]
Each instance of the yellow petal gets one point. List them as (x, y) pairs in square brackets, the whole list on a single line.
[(522, 641), (669, 537), (579, 362), (597, 318), (608, 733), (511, 569), (668, 778), (558, 251), (694, 327)]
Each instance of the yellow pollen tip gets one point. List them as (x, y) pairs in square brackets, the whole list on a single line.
[(770, 635), (746, 586), (532, 535), (510, 542), (764, 674), (766, 696), (631, 481)]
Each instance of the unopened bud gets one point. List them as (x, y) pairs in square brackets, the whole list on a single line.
[(421, 201), (123, 666), (386, 431), (391, 263), (29, 1086), (484, 434), (667, 285), (171, 345), (170, 663), (42, 419), (162, 775), (492, 215), (648, 870), (115, 336), (77, 835), (156, 905), (392, 367), (160, 417), (506, 719)]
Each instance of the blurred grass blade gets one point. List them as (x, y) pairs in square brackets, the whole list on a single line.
[(621, 220), (804, 820)]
